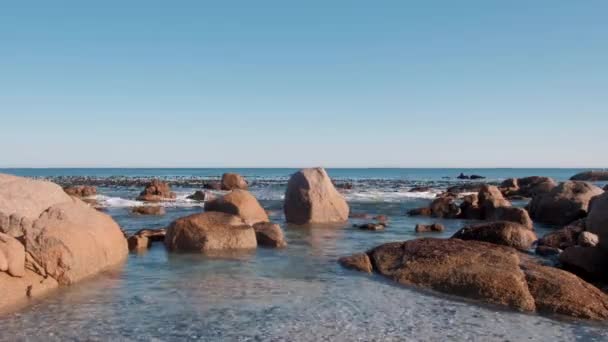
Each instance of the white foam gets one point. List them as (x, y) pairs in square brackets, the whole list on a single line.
[(119, 202)]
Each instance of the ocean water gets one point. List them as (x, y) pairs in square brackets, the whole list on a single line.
[(295, 294)]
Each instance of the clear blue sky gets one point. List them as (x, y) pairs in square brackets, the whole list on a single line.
[(299, 83)]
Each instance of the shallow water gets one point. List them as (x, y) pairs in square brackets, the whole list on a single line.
[(298, 293)]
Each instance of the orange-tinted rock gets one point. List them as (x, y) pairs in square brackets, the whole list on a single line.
[(232, 181), (156, 191), (240, 203), (81, 191), (359, 262), (269, 235), (503, 233)]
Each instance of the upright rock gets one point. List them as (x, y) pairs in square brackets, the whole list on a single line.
[(597, 221), (567, 202), (312, 198), (156, 191), (240, 203), (209, 232), (232, 181)]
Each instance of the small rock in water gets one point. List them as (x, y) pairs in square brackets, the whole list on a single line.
[(198, 196), (149, 210), (359, 262), (424, 228), (371, 226)]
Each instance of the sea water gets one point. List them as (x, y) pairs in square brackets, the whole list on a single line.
[(295, 294)]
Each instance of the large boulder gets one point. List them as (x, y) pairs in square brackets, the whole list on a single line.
[(232, 181), (503, 233), (482, 271), (312, 198), (81, 191), (591, 176), (209, 232), (490, 198), (597, 221), (240, 203), (567, 202), (63, 239), (156, 191), (534, 185)]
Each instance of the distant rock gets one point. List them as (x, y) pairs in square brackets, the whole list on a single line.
[(233, 181), (212, 185), (240, 203), (419, 212), (209, 232), (344, 185), (463, 176), (565, 203), (156, 191), (425, 228), (312, 198), (81, 191), (464, 188), (148, 210), (503, 233), (591, 176), (198, 195), (420, 189), (269, 235), (476, 177)]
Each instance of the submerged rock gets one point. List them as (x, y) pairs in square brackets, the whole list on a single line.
[(148, 210), (240, 203), (444, 207), (503, 233), (371, 226), (208, 232), (312, 198), (156, 191), (233, 181), (424, 228), (486, 272), (359, 262), (566, 203)]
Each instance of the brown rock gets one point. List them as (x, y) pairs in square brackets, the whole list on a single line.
[(12, 256), (588, 239), (269, 235), (444, 207), (591, 176), (240, 203), (489, 199), (16, 292), (597, 221), (156, 191), (232, 181), (501, 233), (567, 202), (424, 228), (511, 214), (471, 269), (561, 238), (155, 235), (371, 226), (148, 210), (535, 185), (588, 262), (209, 232), (359, 262), (198, 196), (419, 212), (138, 242), (560, 292), (81, 191), (312, 198), (469, 208)]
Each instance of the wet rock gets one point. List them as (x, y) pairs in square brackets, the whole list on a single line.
[(312, 198), (535, 185), (156, 191), (240, 203), (232, 181), (149, 210), (588, 262), (154, 235), (370, 226), (511, 214), (561, 238), (138, 242), (419, 212), (501, 233), (444, 207), (482, 271), (597, 221), (359, 262), (198, 195), (591, 176), (81, 191), (209, 232), (567, 202), (425, 228), (547, 251), (269, 235), (463, 176), (469, 208), (587, 239)]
